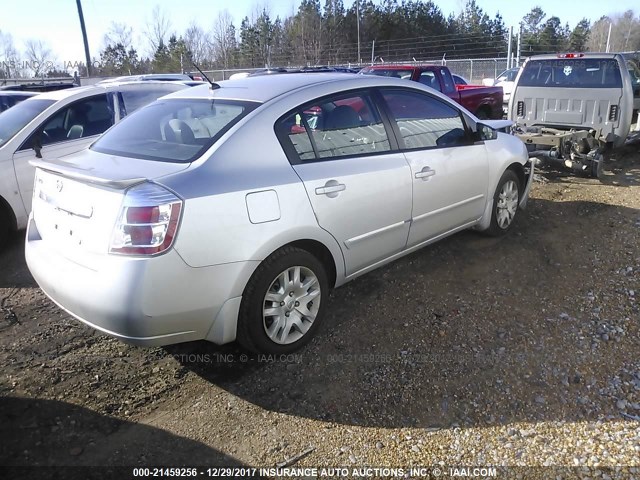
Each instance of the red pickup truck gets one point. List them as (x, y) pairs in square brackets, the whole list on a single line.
[(484, 102)]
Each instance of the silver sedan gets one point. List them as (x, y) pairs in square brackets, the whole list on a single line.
[(228, 212)]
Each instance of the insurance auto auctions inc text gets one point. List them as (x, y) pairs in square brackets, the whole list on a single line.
[(378, 472)]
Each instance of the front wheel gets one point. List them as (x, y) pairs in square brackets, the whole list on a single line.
[(505, 204), (283, 303)]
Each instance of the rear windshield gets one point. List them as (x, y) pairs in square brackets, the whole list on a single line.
[(391, 72), (16, 118), (135, 98), (173, 130), (572, 72)]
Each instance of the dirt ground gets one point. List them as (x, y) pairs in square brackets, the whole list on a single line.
[(521, 350)]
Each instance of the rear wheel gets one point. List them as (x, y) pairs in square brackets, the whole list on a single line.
[(482, 114), (505, 204), (283, 303)]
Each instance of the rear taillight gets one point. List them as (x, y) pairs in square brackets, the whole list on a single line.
[(148, 221), (520, 109), (613, 113)]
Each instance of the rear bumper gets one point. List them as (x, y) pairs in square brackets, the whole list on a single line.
[(144, 301)]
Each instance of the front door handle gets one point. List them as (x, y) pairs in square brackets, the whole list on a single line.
[(425, 173), (331, 189)]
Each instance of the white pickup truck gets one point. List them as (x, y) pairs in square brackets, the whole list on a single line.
[(569, 107), (54, 124)]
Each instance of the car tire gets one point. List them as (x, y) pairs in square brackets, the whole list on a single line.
[(505, 204), (482, 114), (274, 317)]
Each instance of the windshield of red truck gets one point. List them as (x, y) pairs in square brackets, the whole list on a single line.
[(572, 72)]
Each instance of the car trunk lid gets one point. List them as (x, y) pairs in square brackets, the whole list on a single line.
[(78, 199)]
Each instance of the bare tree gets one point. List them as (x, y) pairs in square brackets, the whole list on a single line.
[(39, 55), (198, 43), (223, 39), (119, 34), (625, 34), (9, 57), (157, 29)]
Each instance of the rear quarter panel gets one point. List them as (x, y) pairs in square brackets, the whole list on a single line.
[(476, 97)]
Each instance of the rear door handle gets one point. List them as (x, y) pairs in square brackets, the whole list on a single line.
[(425, 173), (331, 189)]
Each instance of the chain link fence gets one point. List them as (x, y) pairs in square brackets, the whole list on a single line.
[(474, 70)]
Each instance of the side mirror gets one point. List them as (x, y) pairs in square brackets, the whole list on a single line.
[(485, 132), (36, 144)]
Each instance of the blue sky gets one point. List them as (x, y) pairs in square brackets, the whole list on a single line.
[(56, 21)]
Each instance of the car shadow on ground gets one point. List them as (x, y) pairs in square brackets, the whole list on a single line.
[(13, 267), (469, 331), (50, 433), (472, 331)]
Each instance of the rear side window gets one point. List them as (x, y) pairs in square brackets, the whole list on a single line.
[(424, 121), (334, 127), (173, 130), (572, 72), (447, 79), (429, 79)]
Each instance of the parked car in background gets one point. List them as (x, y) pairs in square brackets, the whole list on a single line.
[(634, 73), (189, 80), (484, 102), (40, 86), (569, 107), (54, 124), (506, 80), (230, 212), (9, 98), (459, 79)]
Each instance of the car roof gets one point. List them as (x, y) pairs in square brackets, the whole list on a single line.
[(558, 56), (96, 88), (18, 92), (263, 88), (386, 66)]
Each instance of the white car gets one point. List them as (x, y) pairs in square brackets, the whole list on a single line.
[(230, 212), (53, 124), (506, 80)]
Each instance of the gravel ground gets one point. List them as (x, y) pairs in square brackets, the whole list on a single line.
[(520, 351)]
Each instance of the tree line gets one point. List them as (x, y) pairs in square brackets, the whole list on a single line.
[(331, 34)]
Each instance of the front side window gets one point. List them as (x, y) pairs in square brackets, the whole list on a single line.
[(424, 121), (177, 130), (84, 118), (335, 127), (16, 118)]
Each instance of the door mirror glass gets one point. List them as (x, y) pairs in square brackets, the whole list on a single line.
[(485, 132)]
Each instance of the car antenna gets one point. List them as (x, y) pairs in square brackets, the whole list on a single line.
[(212, 85)]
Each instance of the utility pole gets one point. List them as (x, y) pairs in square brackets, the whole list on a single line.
[(518, 46), (509, 48), (358, 26), (84, 38), (609, 37)]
